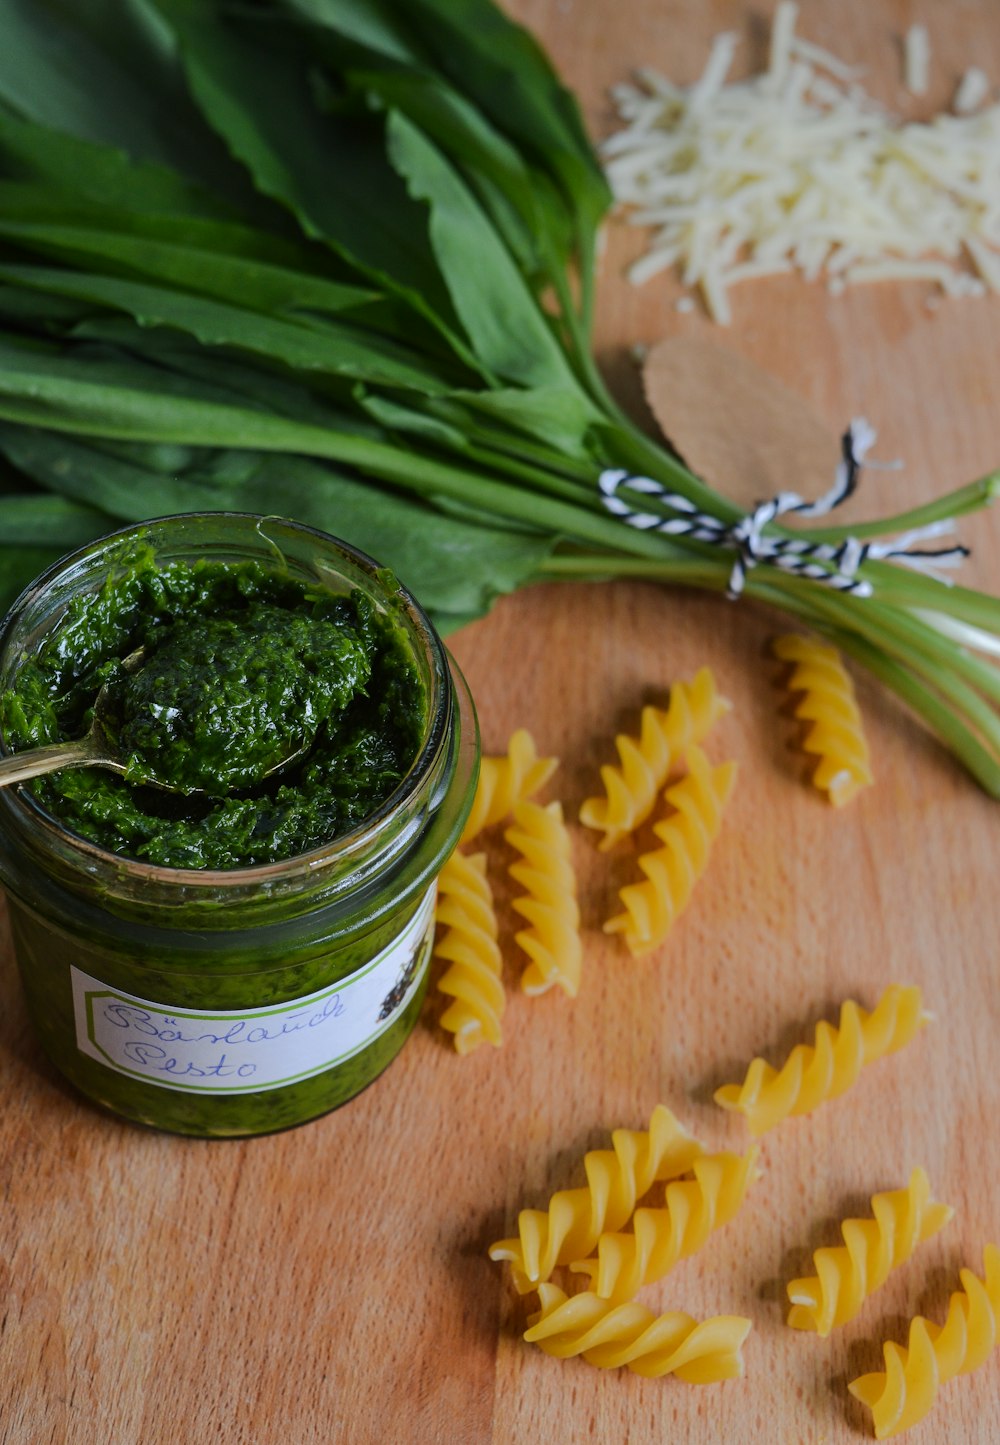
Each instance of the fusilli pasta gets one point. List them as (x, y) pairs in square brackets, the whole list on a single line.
[(505, 780), (660, 1237), (609, 1336), (545, 869), (465, 910), (616, 1179), (814, 1073), (847, 1274), (904, 1392), (631, 788), (673, 869), (837, 735)]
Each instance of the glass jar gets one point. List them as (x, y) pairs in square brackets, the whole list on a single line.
[(220, 1003)]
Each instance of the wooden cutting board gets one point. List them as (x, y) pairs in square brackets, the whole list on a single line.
[(331, 1284)]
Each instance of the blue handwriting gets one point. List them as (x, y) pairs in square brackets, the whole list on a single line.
[(141, 1021)]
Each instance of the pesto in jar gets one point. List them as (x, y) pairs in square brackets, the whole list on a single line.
[(247, 957), (242, 667)]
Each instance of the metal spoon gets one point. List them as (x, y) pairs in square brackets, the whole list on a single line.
[(97, 748)]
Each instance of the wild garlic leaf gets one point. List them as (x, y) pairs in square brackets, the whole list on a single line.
[(45, 315), (252, 83), (100, 394), (20, 565), (489, 292), (216, 258), (363, 49), (32, 519), (392, 54), (396, 417), (561, 417), (491, 166), (338, 349), (374, 24), (508, 76), (106, 72), (127, 351), (67, 167), (46, 58), (457, 568)]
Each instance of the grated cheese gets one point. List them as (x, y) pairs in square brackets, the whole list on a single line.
[(972, 90), (916, 59), (800, 169), (781, 43)]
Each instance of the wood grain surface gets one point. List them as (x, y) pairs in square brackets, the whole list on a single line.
[(331, 1284)]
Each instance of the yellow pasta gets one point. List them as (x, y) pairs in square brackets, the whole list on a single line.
[(610, 1336), (837, 735), (631, 788), (505, 780), (848, 1274), (814, 1073), (545, 869), (673, 869), (904, 1392), (616, 1179), (660, 1237), (469, 944)]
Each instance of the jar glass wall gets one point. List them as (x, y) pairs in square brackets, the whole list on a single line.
[(237, 1001)]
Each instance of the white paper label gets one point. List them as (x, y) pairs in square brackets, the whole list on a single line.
[(252, 1049)]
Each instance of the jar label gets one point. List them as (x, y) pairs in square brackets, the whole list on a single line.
[(249, 1050)]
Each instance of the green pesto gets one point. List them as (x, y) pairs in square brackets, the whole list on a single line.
[(49, 995), (223, 701), (242, 666)]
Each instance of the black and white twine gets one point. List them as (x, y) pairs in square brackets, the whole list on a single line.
[(835, 564)]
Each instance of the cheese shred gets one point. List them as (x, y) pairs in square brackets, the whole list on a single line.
[(799, 169), (917, 59)]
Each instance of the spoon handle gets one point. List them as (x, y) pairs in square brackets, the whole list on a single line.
[(48, 760)]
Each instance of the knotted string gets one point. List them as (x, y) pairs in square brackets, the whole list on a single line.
[(834, 564)]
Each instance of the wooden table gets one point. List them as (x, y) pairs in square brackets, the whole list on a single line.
[(331, 1284)]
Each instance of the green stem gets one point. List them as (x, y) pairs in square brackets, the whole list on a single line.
[(907, 636), (544, 459), (900, 631), (709, 574), (949, 671), (896, 649), (626, 447), (904, 588), (577, 343), (417, 472), (926, 703), (637, 454), (509, 466), (587, 252), (954, 504)]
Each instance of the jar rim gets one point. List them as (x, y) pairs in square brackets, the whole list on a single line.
[(361, 839)]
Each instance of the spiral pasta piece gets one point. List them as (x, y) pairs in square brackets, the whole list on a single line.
[(505, 780), (473, 981), (660, 1237), (673, 869), (616, 1179), (904, 1392), (837, 735), (609, 1336), (814, 1073), (545, 869), (848, 1274), (631, 788)]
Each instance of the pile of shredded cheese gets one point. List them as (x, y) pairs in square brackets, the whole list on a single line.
[(799, 169)]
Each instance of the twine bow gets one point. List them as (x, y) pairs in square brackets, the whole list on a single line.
[(834, 564)]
